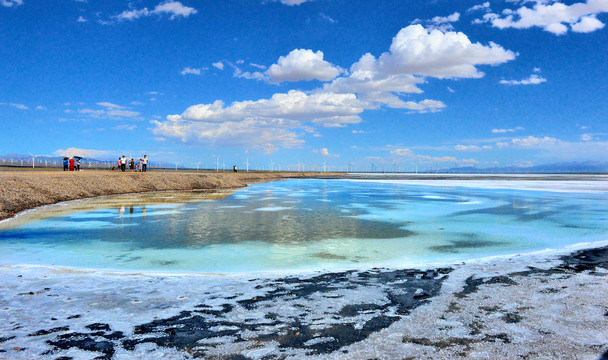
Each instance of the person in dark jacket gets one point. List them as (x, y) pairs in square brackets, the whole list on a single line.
[(65, 164)]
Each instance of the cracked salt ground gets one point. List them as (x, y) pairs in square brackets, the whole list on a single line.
[(555, 310)]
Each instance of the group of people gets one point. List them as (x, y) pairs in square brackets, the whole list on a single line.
[(140, 165), (71, 163)]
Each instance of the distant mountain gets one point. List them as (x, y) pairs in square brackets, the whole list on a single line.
[(562, 167)]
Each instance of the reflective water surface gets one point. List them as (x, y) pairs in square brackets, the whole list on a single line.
[(294, 224)]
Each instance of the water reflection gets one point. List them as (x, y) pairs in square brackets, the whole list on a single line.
[(300, 223)]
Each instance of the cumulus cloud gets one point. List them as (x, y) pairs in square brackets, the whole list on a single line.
[(191, 71), (294, 105), (324, 152), (219, 65), (528, 142), (10, 3), (172, 8), (263, 121), (532, 80), (586, 137), (81, 19), (485, 7), (502, 131), (443, 23), (415, 53), (302, 64), (554, 17), (418, 51)]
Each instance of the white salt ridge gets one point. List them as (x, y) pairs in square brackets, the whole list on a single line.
[(598, 186)]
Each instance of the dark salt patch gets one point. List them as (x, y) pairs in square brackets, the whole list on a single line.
[(5, 339), (473, 241), (472, 284), (98, 326), (512, 318), (328, 256), (50, 331)]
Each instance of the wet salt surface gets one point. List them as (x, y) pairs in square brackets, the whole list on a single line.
[(300, 225), (488, 308)]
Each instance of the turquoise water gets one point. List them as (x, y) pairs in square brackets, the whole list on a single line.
[(302, 224)]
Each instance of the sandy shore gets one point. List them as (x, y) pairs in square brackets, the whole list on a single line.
[(27, 189)]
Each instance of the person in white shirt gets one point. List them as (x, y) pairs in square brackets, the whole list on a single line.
[(144, 163)]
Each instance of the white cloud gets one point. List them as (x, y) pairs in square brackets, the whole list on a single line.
[(587, 24), (122, 113), (485, 7), (125, 127), (358, 132), (111, 110), (15, 105), (294, 105), (302, 64), (87, 153), (293, 2), (586, 137), (110, 105), (324, 152), (472, 147), (219, 65), (327, 18), (532, 80), (531, 141), (443, 23), (418, 51), (189, 70), (502, 131), (407, 154), (10, 3), (551, 16), (451, 90), (254, 123), (81, 19), (262, 67), (172, 8), (40, 107)]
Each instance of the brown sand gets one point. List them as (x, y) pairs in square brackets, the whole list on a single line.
[(24, 190)]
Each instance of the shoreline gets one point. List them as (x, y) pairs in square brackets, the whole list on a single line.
[(28, 190)]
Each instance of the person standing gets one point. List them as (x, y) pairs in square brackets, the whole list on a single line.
[(123, 163), (119, 161), (234, 168), (144, 163), (77, 164), (65, 164), (71, 164)]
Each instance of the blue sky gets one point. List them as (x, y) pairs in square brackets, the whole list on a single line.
[(394, 83)]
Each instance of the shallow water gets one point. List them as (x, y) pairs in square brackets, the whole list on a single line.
[(301, 224)]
